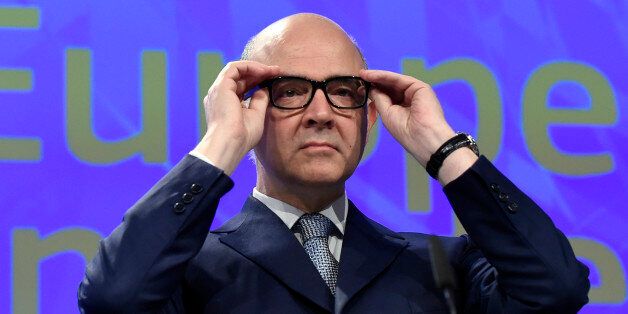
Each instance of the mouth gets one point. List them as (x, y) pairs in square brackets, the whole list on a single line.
[(318, 146)]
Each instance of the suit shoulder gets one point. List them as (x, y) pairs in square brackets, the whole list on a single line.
[(418, 237), (456, 247)]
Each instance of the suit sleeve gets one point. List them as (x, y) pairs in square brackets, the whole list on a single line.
[(517, 261), (140, 266)]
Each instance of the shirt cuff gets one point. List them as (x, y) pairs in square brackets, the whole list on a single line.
[(201, 157)]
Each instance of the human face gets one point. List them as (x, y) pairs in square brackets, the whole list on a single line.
[(316, 145)]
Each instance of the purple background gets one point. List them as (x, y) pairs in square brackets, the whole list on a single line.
[(511, 38)]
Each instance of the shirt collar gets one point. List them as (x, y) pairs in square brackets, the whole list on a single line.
[(336, 211)]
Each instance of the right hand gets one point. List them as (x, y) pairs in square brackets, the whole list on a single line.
[(233, 128)]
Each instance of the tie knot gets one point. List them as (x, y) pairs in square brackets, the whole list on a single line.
[(314, 225)]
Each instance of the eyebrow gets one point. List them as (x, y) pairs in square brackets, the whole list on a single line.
[(309, 78)]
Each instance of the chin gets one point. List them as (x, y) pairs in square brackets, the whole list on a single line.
[(321, 172), (321, 179)]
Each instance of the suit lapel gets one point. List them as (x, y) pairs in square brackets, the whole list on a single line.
[(264, 239), (366, 251)]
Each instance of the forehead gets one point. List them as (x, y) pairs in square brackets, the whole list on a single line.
[(313, 54)]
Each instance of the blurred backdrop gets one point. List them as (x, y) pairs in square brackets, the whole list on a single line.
[(99, 99)]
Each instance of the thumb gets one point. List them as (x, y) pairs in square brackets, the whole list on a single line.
[(382, 102), (259, 102)]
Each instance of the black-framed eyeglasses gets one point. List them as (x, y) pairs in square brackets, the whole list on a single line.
[(293, 92)]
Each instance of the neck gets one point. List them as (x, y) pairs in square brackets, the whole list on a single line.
[(308, 198)]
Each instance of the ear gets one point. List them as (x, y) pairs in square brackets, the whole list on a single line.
[(371, 117)]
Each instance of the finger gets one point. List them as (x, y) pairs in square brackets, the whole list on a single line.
[(399, 87), (390, 78), (381, 100), (237, 70), (243, 75), (259, 101), (251, 80)]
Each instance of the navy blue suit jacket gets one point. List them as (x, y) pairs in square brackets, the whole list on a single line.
[(162, 257)]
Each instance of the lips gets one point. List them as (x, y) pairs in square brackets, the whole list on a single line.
[(318, 144)]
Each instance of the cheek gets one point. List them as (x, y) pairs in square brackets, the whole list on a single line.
[(279, 134), (354, 135)]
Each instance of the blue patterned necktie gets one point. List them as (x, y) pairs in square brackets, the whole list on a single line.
[(315, 230)]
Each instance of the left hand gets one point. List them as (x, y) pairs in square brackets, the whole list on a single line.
[(410, 111)]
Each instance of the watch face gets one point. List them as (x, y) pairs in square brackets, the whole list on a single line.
[(473, 144), (470, 138)]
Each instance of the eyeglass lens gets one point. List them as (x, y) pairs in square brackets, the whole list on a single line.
[(342, 92)]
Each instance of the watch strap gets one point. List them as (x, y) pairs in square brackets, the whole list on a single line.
[(458, 141)]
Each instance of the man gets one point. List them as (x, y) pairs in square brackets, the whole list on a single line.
[(299, 245)]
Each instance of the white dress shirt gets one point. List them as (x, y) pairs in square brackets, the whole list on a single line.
[(336, 212)]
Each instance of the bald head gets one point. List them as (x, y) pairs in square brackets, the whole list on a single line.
[(313, 29)]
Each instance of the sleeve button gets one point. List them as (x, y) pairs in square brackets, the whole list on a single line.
[(494, 187), (512, 207), (179, 208), (187, 198), (503, 197), (196, 188)]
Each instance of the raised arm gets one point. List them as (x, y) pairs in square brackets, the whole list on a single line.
[(518, 261), (141, 264), (522, 263)]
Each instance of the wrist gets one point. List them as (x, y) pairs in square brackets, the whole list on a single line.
[(224, 152), (452, 158), (430, 142), (456, 164)]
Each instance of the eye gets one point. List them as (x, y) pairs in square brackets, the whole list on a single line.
[(290, 93), (341, 91)]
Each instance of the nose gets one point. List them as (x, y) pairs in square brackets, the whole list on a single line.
[(319, 113)]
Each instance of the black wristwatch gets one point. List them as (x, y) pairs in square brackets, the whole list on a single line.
[(458, 141)]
